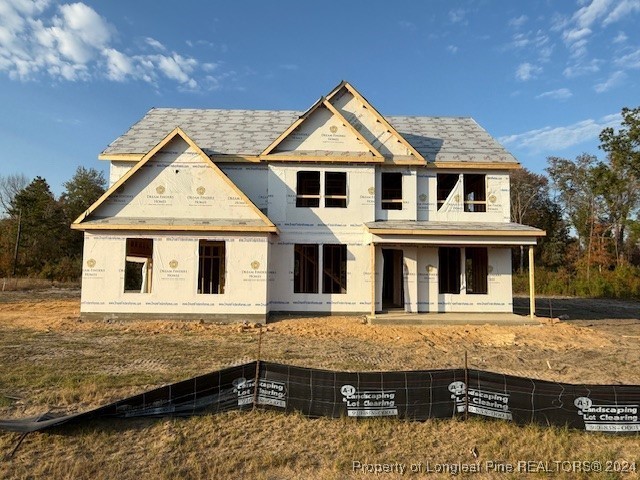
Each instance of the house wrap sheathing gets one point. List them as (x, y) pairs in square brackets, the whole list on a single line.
[(233, 214)]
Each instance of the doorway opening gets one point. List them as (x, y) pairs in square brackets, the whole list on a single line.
[(392, 279)]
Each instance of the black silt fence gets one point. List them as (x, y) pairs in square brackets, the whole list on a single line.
[(412, 395)]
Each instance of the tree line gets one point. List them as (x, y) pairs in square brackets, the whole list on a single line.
[(35, 238), (588, 207)]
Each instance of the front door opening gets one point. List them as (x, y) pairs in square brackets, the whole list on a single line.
[(392, 279)]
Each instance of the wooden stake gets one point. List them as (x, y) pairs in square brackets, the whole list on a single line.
[(466, 387), (256, 379), (532, 288), (373, 279)]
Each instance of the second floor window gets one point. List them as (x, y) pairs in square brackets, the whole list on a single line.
[(391, 191), (475, 193), (308, 189), (335, 189)]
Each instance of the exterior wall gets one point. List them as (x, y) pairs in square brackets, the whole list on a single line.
[(252, 179), (357, 299), (321, 225), (497, 192), (420, 265), (174, 277), (256, 290), (409, 195), (117, 169), (176, 183)]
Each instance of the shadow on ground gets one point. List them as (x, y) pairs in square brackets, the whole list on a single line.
[(580, 308)]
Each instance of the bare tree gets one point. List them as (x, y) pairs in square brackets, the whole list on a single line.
[(10, 185)]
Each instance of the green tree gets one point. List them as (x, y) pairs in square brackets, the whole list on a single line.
[(598, 199), (623, 147), (84, 188), (43, 227), (531, 205)]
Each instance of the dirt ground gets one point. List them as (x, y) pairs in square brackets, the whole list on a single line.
[(51, 360), (41, 332)]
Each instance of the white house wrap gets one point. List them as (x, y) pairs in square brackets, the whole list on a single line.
[(225, 214)]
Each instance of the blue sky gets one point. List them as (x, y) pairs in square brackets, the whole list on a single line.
[(544, 77)]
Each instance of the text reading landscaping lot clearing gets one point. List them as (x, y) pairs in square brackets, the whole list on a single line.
[(49, 358)]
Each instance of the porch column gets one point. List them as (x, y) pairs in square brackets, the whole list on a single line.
[(373, 278), (532, 288)]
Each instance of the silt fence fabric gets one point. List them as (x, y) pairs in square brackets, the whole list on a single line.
[(409, 395)]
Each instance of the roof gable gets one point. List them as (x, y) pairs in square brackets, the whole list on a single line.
[(178, 185), (322, 131), (370, 123)]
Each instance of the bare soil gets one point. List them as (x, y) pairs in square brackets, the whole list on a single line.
[(52, 360)]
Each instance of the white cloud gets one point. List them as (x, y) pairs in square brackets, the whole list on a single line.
[(153, 43), (517, 22), (119, 65), (620, 38), (593, 14), (74, 43), (588, 14), (452, 49), (559, 138), (559, 94), (582, 68), (615, 79), (621, 10), (458, 16), (537, 42), (527, 71), (406, 25), (631, 60), (575, 34)]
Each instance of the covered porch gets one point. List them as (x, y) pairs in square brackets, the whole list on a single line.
[(452, 272)]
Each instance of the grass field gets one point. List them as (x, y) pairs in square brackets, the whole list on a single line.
[(51, 360)]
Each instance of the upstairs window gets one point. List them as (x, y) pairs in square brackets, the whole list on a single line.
[(446, 184), (475, 193), (138, 265), (334, 269), (305, 268), (211, 267), (391, 191), (335, 189), (308, 189)]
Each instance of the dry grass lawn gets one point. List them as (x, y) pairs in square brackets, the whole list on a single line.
[(50, 360)]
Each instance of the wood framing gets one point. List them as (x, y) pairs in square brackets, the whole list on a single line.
[(178, 228), (378, 116), (532, 285)]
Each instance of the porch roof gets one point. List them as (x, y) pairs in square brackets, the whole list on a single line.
[(406, 231)]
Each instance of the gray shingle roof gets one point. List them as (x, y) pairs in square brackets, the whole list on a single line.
[(249, 132)]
